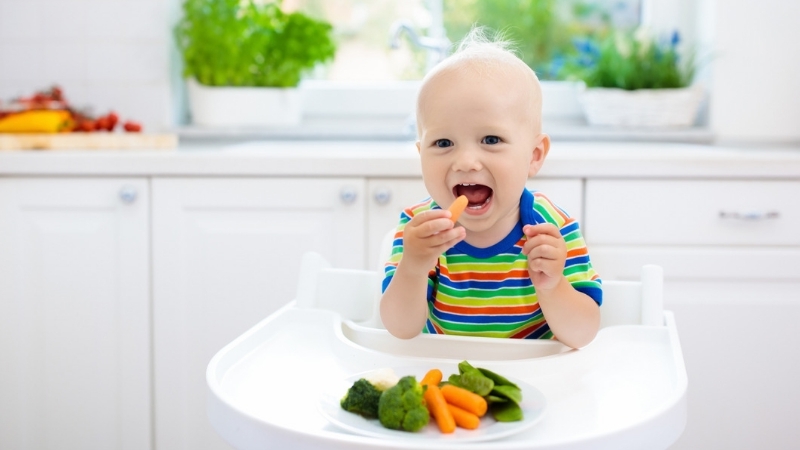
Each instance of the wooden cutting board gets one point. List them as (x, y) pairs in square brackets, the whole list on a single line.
[(87, 141)]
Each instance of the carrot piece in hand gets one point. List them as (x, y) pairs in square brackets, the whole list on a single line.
[(465, 399), (458, 207), (434, 376), (438, 408), (464, 419)]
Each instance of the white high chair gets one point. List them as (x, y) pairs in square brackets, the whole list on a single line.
[(625, 390), (355, 294)]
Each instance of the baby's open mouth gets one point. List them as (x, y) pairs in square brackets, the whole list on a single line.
[(478, 195)]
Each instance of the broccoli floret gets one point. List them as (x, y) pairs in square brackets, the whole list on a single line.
[(402, 407), (362, 398)]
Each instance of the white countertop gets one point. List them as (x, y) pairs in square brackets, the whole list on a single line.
[(400, 159)]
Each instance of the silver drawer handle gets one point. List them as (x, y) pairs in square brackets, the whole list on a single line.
[(348, 195), (751, 216), (383, 196), (128, 194)]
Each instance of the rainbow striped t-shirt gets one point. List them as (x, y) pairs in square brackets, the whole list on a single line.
[(487, 291)]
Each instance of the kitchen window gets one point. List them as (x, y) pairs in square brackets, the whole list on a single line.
[(372, 86), (369, 78)]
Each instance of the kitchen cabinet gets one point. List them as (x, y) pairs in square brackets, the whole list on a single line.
[(122, 273), (75, 314), (729, 249), (226, 253)]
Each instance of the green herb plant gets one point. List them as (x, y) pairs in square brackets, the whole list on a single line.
[(250, 43), (630, 60), (542, 30)]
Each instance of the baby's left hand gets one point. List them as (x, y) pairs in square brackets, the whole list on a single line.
[(547, 254)]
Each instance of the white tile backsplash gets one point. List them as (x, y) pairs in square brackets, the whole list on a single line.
[(64, 20), (66, 61), (149, 100), (106, 54), (109, 61), (147, 20), (20, 21), (104, 19), (23, 62)]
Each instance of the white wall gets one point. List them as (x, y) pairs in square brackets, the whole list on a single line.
[(755, 75), (107, 54), (751, 51)]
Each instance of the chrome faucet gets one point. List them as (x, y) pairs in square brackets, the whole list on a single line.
[(438, 47)]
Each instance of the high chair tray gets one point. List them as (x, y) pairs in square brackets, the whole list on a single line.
[(626, 390)]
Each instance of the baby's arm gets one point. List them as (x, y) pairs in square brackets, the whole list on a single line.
[(573, 316), (404, 307)]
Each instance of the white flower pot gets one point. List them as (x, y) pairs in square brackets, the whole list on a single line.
[(643, 107), (216, 106)]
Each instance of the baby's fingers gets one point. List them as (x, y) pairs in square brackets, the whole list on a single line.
[(540, 240), (541, 229), (445, 239), (544, 252), (430, 224)]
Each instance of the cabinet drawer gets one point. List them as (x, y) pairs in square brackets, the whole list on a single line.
[(693, 212)]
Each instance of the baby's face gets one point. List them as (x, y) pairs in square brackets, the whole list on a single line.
[(477, 135)]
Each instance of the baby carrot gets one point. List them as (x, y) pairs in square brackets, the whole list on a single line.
[(465, 399), (434, 376), (464, 419), (438, 408), (458, 207)]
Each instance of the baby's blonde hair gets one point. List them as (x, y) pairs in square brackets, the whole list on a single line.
[(488, 53)]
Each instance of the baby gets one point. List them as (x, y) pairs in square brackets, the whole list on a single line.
[(515, 265)]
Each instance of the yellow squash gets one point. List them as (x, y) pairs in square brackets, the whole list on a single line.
[(36, 121)]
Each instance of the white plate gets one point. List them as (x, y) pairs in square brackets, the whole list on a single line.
[(533, 406)]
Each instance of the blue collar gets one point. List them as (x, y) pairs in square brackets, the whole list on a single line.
[(526, 217)]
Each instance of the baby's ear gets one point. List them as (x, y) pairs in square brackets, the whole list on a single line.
[(539, 154)]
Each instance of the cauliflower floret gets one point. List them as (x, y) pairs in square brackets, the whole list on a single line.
[(382, 379)]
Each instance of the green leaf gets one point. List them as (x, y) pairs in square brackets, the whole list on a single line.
[(627, 60), (497, 378), (465, 366), (473, 380), (476, 382), (507, 412), (249, 43), (495, 399), (509, 392), (455, 380)]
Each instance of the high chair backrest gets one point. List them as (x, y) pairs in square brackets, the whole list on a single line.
[(355, 294)]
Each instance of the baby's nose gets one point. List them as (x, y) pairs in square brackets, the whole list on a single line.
[(467, 160)]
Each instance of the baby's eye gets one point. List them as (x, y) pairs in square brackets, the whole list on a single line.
[(442, 143), (490, 140)]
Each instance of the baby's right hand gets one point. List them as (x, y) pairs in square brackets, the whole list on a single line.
[(428, 235)]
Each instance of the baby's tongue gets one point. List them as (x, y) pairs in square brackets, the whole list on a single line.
[(476, 194)]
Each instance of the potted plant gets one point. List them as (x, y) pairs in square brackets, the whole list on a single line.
[(632, 79), (244, 59)]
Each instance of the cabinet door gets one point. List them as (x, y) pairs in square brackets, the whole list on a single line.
[(739, 341), (74, 314), (389, 196), (226, 254), (729, 253)]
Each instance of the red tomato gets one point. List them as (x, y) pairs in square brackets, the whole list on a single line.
[(113, 118), (87, 126), (132, 127), (104, 124)]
